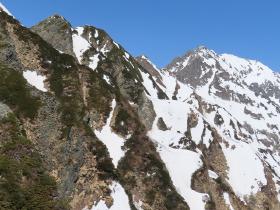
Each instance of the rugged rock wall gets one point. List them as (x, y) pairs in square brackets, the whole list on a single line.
[(62, 122)]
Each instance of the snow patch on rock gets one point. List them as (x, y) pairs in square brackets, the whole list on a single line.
[(112, 141), (80, 44), (120, 199), (94, 61), (35, 80), (181, 163), (226, 197)]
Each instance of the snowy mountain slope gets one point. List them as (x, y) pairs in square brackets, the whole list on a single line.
[(204, 99), (243, 87), (246, 123), (116, 132)]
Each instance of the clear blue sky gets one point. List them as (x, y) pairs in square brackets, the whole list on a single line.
[(164, 29)]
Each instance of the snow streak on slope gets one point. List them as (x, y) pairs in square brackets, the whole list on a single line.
[(112, 141), (180, 163), (148, 84), (80, 44), (153, 65), (168, 83), (35, 80), (94, 61), (2, 7), (120, 199), (212, 174), (226, 197)]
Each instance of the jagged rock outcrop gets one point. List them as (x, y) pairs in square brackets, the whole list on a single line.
[(57, 31)]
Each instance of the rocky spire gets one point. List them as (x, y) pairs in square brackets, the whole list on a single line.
[(57, 31)]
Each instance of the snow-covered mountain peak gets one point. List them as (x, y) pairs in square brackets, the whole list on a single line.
[(203, 51), (198, 66), (235, 98), (198, 55)]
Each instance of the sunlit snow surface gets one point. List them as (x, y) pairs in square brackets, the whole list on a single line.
[(246, 172), (120, 199), (5, 9), (94, 61), (35, 80), (112, 141), (180, 163), (212, 174), (80, 44), (226, 197)]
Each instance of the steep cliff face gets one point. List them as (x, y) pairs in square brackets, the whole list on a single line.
[(58, 33), (84, 121), (53, 120), (91, 127)]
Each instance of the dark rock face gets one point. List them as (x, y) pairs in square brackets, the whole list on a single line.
[(191, 68), (155, 76), (161, 124), (63, 144), (56, 31), (146, 64), (8, 51), (191, 74), (266, 90)]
